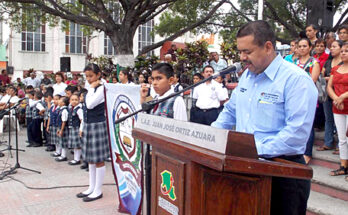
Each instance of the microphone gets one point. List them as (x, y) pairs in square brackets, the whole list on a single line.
[(234, 68)]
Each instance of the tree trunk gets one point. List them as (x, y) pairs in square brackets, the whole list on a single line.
[(123, 44)]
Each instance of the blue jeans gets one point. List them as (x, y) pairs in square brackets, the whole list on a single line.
[(329, 124), (310, 143)]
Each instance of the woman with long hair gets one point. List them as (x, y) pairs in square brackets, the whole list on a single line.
[(334, 60), (338, 90), (311, 66)]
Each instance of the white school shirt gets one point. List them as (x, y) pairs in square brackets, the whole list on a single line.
[(65, 114), (59, 89), (5, 99), (209, 95), (36, 104), (80, 115), (94, 97), (14, 99), (179, 107)]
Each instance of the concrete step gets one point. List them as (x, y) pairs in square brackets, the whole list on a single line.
[(326, 205), (325, 158), (334, 186)]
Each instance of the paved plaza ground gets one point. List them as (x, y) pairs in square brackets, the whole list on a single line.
[(16, 199)]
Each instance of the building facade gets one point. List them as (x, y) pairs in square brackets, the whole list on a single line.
[(42, 48)]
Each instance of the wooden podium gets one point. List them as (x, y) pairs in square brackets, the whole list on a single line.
[(190, 178)]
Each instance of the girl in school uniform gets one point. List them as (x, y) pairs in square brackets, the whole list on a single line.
[(75, 119), (52, 127), (95, 148), (62, 132)]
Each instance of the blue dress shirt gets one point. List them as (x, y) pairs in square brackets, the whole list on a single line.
[(277, 106)]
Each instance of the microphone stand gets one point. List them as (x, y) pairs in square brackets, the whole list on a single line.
[(147, 106), (17, 165)]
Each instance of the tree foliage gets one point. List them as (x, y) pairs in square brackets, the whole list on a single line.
[(100, 15)]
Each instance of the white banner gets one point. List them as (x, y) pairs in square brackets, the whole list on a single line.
[(122, 100)]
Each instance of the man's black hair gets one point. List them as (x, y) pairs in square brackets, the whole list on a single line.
[(165, 69), (261, 31)]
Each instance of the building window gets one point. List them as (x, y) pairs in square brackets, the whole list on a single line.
[(75, 41), (34, 38), (108, 46), (145, 37)]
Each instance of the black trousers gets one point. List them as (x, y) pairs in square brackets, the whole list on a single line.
[(35, 134), (205, 117), (290, 196)]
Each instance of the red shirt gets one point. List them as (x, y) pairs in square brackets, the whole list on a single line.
[(340, 85), (322, 59), (5, 80)]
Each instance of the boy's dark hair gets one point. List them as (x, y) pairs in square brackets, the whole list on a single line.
[(65, 100), (71, 88), (47, 94), (208, 66), (49, 90), (83, 90), (29, 87), (315, 27), (261, 31), (59, 96), (199, 75), (165, 69), (13, 88), (38, 95)]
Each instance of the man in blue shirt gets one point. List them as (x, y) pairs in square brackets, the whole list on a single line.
[(275, 100)]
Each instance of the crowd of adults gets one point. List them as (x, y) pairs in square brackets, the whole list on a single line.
[(327, 57)]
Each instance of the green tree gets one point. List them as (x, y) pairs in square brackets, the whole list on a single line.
[(100, 15)]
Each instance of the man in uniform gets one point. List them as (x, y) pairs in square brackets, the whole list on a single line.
[(274, 100)]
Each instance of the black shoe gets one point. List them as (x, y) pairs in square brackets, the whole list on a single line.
[(50, 149), (89, 199), (61, 159), (2, 154), (74, 162), (82, 195), (84, 165), (37, 145)]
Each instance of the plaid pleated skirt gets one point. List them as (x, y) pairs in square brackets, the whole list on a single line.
[(63, 141), (95, 143), (53, 135), (74, 138)]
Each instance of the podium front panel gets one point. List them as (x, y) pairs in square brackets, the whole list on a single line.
[(167, 195)]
